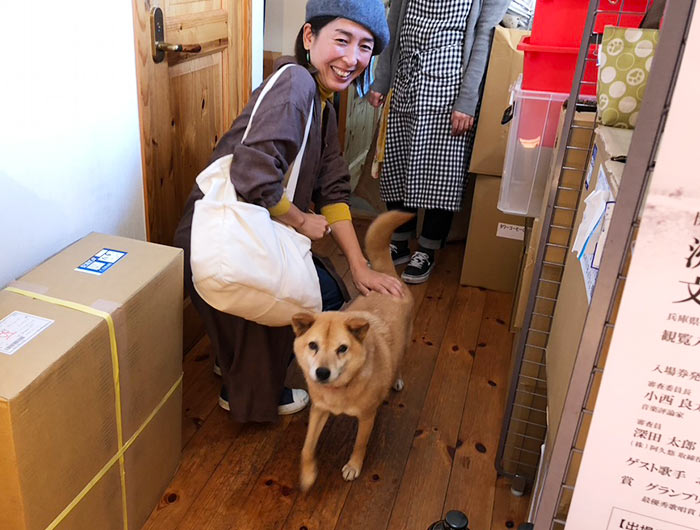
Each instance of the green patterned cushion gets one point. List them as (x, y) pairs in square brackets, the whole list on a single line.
[(623, 70)]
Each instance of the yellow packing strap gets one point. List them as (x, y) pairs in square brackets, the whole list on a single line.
[(122, 447)]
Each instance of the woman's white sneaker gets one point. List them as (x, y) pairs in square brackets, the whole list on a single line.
[(294, 400)]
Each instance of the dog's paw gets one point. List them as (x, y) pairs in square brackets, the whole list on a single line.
[(309, 472), (351, 472), (398, 385)]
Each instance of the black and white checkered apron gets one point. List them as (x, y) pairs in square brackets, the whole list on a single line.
[(424, 165)]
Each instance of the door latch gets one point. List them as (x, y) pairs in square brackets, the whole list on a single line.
[(158, 44)]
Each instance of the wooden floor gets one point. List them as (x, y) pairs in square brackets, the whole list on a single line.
[(432, 448)]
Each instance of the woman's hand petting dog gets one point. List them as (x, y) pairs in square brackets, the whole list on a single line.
[(366, 280)]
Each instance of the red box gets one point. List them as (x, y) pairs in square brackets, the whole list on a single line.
[(551, 68), (609, 13), (561, 22)]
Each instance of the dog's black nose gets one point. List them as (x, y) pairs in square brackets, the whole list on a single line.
[(322, 373)]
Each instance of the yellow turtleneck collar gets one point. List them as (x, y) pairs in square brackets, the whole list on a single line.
[(326, 94)]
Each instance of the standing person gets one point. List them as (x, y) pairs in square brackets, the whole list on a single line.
[(434, 66), (332, 50)]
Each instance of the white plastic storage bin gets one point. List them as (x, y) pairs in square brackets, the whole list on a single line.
[(529, 151)]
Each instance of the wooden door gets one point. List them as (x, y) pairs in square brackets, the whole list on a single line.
[(189, 100), (186, 103)]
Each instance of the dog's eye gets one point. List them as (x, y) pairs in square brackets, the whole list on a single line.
[(313, 346), (342, 349)]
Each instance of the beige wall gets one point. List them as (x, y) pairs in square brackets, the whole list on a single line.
[(283, 18)]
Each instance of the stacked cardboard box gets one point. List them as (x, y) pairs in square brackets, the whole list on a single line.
[(494, 239), (494, 242), (90, 414), (505, 65)]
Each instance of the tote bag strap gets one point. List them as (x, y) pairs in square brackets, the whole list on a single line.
[(294, 175)]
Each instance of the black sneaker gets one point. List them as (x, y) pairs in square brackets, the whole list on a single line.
[(217, 368), (419, 268), (399, 254)]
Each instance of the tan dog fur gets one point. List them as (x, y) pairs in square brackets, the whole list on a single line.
[(360, 350)]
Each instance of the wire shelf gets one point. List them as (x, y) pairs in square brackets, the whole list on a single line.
[(524, 427), (556, 487)]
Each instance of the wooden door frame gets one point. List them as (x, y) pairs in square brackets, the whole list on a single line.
[(156, 134), (155, 117)]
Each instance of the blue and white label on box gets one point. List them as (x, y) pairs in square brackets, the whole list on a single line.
[(102, 261)]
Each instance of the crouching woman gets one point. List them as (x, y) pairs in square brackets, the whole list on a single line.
[(333, 49)]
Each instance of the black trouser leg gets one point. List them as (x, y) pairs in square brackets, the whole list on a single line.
[(404, 232), (436, 227)]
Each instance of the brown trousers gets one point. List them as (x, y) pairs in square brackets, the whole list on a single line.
[(253, 358)]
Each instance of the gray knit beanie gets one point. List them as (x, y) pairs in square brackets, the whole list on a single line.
[(368, 13)]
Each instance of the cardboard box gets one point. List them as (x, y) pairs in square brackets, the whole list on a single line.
[(62, 398), (505, 65), (494, 242), (613, 142)]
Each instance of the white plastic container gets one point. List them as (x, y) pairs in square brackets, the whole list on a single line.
[(529, 151)]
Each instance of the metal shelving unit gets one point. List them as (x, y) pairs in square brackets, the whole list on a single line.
[(559, 482), (525, 421)]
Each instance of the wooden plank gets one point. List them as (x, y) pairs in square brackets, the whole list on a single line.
[(235, 476), (200, 388), (318, 509), (371, 496), (509, 511), (422, 493), (276, 488), (473, 480), (246, 476), (199, 460), (238, 67)]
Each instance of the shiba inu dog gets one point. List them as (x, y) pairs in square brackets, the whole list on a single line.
[(351, 358)]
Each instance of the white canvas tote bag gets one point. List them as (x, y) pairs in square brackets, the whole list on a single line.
[(243, 262)]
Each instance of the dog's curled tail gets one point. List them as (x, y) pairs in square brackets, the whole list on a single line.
[(378, 238)]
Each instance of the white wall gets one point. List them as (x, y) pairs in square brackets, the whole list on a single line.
[(70, 159), (283, 19), (257, 16)]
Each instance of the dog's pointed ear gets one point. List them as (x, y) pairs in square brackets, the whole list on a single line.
[(358, 327), (301, 322)]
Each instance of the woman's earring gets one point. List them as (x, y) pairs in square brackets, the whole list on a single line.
[(308, 57)]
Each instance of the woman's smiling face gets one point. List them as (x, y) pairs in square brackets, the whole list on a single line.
[(340, 52)]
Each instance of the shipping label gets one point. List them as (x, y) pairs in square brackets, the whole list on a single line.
[(18, 328)]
